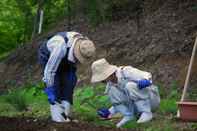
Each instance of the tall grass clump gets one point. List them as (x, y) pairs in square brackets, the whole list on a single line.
[(17, 99)]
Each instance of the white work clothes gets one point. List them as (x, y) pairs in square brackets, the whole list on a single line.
[(124, 89), (126, 93)]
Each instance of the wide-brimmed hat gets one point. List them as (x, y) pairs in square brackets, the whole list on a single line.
[(84, 50), (101, 70)]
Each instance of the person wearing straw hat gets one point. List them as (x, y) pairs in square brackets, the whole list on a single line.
[(129, 90), (58, 57)]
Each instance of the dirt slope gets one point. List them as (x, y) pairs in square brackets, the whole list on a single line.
[(162, 44)]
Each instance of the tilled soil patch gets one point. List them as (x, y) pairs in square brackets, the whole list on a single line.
[(32, 124)]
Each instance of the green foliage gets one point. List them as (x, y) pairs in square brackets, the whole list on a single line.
[(17, 99), (17, 20), (17, 17), (169, 97), (171, 92), (168, 106), (4, 55), (27, 100), (10, 25), (174, 94), (87, 100), (55, 11)]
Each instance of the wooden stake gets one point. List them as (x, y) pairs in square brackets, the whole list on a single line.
[(188, 75), (189, 71)]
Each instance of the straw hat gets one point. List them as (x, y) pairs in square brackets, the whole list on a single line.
[(84, 50), (101, 70)]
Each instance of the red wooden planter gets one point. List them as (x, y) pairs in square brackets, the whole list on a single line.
[(188, 111)]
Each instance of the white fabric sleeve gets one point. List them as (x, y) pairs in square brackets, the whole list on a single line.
[(136, 74), (57, 52)]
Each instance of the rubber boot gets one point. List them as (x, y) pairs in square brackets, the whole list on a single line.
[(67, 110), (124, 120), (126, 112), (144, 108), (56, 113), (145, 117)]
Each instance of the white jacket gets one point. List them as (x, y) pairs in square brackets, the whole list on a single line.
[(125, 90)]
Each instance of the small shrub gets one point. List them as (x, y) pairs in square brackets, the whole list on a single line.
[(17, 99)]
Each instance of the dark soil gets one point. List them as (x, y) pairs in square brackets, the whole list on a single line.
[(30, 124)]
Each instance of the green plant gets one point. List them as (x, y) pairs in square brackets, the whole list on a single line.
[(22, 97), (28, 100), (168, 106), (87, 100), (17, 100), (173, 92)]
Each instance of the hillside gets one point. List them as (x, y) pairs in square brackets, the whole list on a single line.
[(161, 43)]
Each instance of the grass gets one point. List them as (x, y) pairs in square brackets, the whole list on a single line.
[(27, 101), (17, 99), (32, 102), (4, 55)]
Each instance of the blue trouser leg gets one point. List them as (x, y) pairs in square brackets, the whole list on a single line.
[(57, 85), (69, 82), (64, 84)]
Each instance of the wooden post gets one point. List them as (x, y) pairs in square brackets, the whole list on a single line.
[(40, 5), (41, 21)]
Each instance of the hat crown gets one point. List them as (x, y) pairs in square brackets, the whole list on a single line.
[(84, 50), (101, 70), (87, 48), (99, 66)]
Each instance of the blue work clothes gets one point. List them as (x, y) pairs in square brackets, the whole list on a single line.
[(59, 64)]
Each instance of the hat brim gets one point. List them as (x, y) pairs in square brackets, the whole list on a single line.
[(104, 75)]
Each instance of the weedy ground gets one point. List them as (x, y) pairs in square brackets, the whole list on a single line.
[(30, 102)]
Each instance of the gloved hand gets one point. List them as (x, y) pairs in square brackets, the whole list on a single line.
[(103, 113), (143, 83), (50, 92)]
